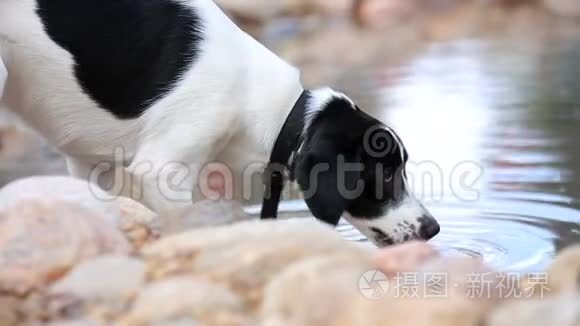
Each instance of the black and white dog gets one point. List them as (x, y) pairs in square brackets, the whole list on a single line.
[(177, 81)]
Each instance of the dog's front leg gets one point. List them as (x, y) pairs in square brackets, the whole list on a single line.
[(164, 177)]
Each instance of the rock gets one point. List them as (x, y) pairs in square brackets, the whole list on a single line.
[(40, 240), (568, 8), (380, 13), (100, 288), (186, 301), (561, 311), (445, 292), (203, 214), (245, 256), (450, 291), (294, 297), (260, 10), (69, 189), (77, 322), (407, 257), (562, 276), (9, 311), (316, 291), (139, 223)]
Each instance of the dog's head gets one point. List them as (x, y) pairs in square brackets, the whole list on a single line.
[(352, 165)]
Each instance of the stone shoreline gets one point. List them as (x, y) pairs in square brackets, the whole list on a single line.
[(68, 259)]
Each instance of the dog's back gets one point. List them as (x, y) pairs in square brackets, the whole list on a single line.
[(94, 74)]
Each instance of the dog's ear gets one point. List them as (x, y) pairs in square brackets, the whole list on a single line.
[(323, 181)]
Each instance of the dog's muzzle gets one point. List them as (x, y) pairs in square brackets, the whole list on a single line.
[(409, 220)]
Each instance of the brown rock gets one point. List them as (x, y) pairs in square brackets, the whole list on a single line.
[(139, 223), (41, 240), (569, 8), (203, 214), (450, 291), (247, 255), (407, 257), (562, 311), (77, 322), (76, 191), (316, 291), (186, 301), (9, 307), (328, 291), (100, 288), (381, 13), (445, 292)]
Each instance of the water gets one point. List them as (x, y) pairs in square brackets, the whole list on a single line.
[(510, 118), (494, 122)]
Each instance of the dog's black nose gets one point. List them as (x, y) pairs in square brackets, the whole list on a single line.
[(429, 228)]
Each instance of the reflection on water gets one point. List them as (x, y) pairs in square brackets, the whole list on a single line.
[(494, 125), (515, 114)]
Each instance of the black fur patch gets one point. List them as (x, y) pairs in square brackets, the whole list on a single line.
[(339, 130), (128, 53)]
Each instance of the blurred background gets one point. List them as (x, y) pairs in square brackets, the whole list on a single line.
[(484, 93)]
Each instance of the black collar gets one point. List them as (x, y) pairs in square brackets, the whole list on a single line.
[(288, 140)]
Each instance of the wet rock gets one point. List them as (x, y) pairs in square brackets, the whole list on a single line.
[(139, 224), (407, 299), (316, 291), (40, 240), (100, 288), (186, 301), (68, 189), (569, 8), (452, 291), (407, 257), (444, 292), (260, 10), (562, 311), (77, 322), (382, 12), (203, 214), (245, 256), (562, 277), (9, 311)]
